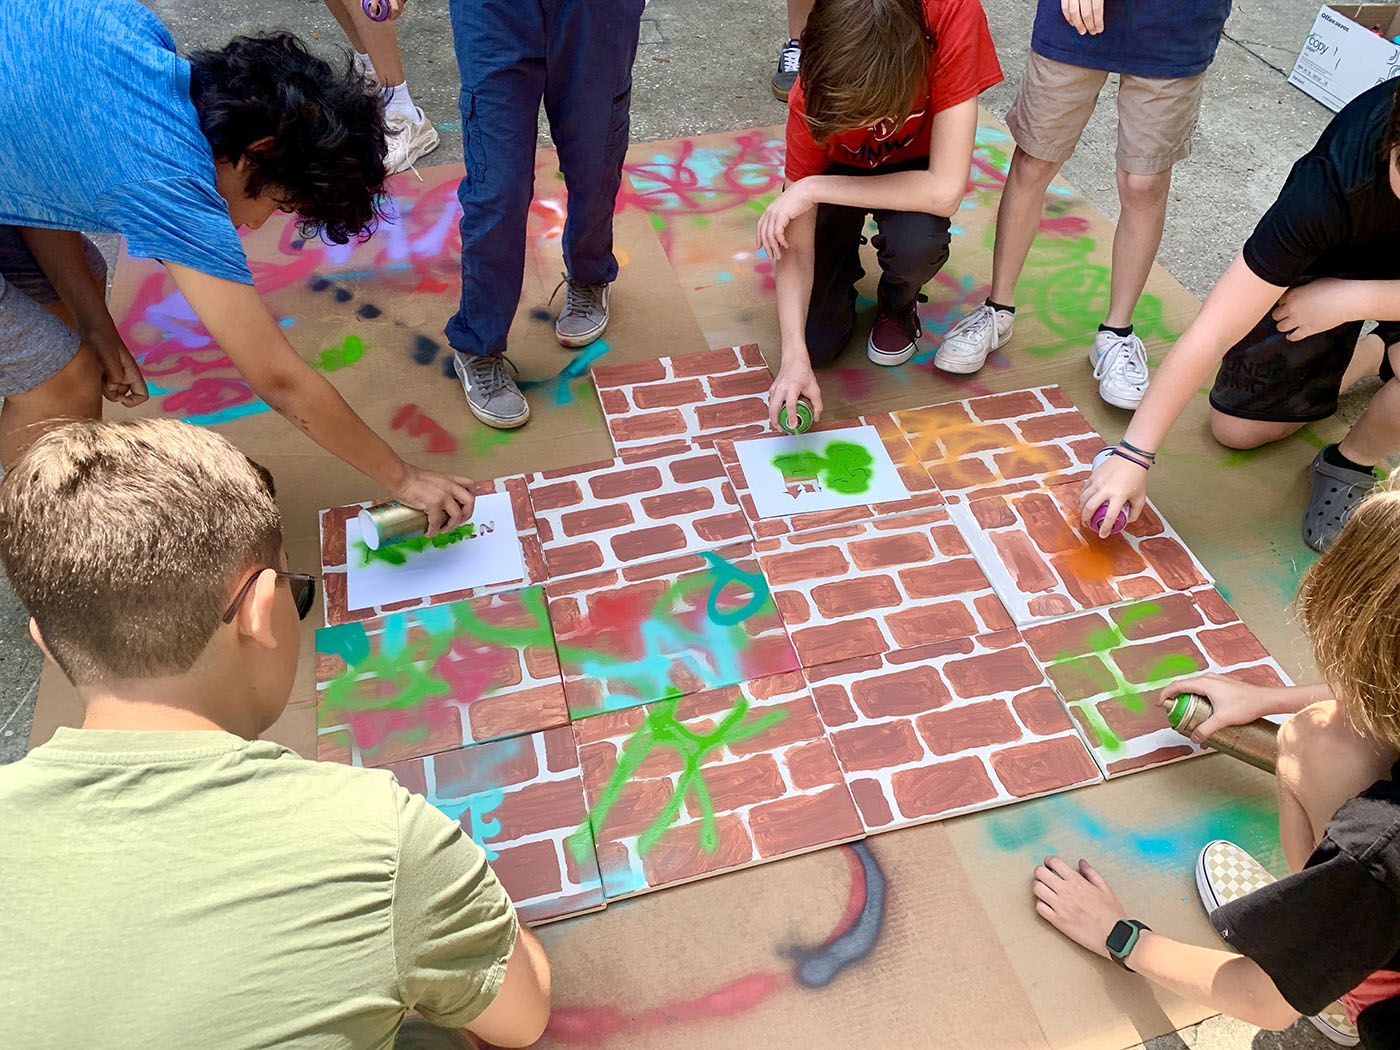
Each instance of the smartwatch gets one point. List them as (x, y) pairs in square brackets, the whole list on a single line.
[(1122, 939)]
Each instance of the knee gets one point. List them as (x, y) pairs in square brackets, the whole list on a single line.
[(913, 244), (826, 339), (1234, 432), (1318, 740), (1143, 192), (1033, 170)]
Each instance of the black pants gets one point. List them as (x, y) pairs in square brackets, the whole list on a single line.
[(911, 247)]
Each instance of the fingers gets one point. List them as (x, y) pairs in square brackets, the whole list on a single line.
[(814, 395), (1096, 16), (1070, 9), (1207, 729), (774, 404), (1088, 871), (1059, 867), (790, 405)]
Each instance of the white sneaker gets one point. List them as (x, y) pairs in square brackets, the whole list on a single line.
[(1120, 366), (408, 141), (965, 348)]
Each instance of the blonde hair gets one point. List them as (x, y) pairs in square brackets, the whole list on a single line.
[(1349, 603), (127, 540), (863, 61)]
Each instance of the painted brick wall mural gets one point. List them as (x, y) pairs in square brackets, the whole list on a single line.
[(868, 587), (715, 393), (648, 632), (718, 780), (613, 513), (946, 728), (334, 557), (1110, 665), (521, 800), (1044, 564), (413, 683)]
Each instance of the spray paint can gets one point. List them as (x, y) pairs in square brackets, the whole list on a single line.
[(1096, 519), (804, 418), (1254, 742), (389, 523)]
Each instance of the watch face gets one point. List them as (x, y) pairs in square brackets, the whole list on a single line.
[(1119, 937)]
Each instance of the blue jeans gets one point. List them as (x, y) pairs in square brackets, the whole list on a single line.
[(577, 56)]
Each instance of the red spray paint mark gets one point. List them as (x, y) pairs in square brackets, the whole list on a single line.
[(419, 424), (595, 1025)]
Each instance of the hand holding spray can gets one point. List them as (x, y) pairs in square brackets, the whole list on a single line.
[(1096, 521), (804, 417)]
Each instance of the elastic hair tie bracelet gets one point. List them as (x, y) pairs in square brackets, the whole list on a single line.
[(1130, 458), (1150, 456)]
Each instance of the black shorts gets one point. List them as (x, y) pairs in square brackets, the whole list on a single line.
[(1266, 377)]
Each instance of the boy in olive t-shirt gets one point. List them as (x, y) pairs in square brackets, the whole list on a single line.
[(170, 880)]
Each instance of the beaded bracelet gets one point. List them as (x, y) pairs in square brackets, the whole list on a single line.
[(1150, 456), (1131, 459)]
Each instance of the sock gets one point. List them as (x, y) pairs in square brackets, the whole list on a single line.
[(398, 100), (999, 306), (1333, 454), (1124, 332), (363, 61)]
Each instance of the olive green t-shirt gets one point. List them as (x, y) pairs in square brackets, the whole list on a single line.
[(194, 889)]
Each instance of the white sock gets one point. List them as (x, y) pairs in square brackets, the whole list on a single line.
[(398, 100), (366, 66)]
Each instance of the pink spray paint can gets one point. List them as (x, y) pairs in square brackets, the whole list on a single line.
[(1096, 520)]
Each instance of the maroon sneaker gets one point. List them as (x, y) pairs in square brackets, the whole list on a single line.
[(894, 336)]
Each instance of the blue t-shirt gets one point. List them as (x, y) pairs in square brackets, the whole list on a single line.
[(98, 133), (1161, 39)]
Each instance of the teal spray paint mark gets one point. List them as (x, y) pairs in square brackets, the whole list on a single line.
[(842, 466), (563, 384)]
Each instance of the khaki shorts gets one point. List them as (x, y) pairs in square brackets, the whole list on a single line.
[(1155, 117)]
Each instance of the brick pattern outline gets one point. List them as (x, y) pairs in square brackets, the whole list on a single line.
[(1108, 666), (923, 494), (428, 680), (333, 557), (604, 515), (954, 727), (521, 799), (869, 587), (692, 398), (1001, 442), (643, 633), (1044, 564), (775, 793)]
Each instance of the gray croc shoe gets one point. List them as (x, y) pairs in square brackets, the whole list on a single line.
[(1335, 493)]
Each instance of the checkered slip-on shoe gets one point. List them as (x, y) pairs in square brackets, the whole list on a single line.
[(1225, 873)]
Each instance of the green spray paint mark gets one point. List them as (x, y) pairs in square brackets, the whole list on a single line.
[(398, 553), (334, 358), (842, 466), (660, 728), (484, 439)]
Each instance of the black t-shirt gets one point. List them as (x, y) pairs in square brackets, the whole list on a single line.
[(1323, 931), (1336, 216)]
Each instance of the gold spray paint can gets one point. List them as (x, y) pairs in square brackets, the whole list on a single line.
[(804, 417), (1254, 742), (389, 523)]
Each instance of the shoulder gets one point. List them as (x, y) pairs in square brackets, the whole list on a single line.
[(950, 13)]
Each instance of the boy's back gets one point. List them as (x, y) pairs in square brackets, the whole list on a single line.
[(197, 883)]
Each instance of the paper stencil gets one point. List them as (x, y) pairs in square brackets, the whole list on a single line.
[(485, 550), (798, 473)]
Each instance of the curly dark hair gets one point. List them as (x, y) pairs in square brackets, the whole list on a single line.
[(326, 158)]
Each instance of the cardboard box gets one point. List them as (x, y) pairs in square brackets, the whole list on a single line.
[(1342, 56)]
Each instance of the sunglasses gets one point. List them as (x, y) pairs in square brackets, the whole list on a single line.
[(303, 592)]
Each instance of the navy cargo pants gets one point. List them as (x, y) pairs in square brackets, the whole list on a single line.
[(577, 56)]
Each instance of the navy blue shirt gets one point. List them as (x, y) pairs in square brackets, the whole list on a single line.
[(1162, 39), (98, 133)]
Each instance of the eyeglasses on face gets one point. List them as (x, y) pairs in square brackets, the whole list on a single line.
[(303, 586)]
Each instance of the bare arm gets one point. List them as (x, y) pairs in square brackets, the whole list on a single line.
[(1234, 306), (792, 273), (237, 319), (520, 1011)]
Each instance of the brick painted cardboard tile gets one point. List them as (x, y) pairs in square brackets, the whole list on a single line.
[(952, 727), (722, 779), (603, 515), (426, 680), (648, 404), (1002, 442), (1109, 666), (333, 556), (871, 586), (646, 632), (521, 800), (923, 494), (1045, 564)]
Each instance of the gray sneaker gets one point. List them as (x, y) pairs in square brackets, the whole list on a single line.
[(491, 393), (585, 312)]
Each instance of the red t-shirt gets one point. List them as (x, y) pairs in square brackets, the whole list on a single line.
[(961, 66)]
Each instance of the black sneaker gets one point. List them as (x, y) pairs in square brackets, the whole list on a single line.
[(786, 76)]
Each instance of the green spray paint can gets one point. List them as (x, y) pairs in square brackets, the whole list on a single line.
[(1254, 742), (804, 418)]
